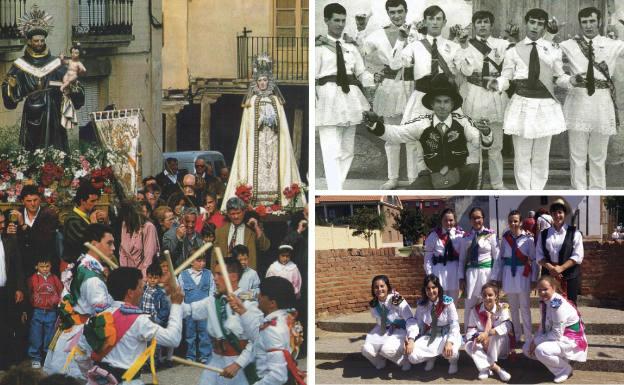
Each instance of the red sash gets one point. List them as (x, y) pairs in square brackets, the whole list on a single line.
[(438, 311), (292, 366), (521, 257)]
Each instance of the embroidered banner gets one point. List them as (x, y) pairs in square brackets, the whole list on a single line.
[(118, 130)]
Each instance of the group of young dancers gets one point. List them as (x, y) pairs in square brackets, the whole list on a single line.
[(475, 263)]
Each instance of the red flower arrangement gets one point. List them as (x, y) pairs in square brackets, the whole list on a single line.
[(261, 210), (50, 173), (100, 176), (243, 191), (292, 192)]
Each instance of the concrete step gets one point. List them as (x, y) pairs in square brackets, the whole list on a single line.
[(606, 352), (598, 321)]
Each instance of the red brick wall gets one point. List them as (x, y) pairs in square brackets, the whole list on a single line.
[(343, 277), (603, 270)]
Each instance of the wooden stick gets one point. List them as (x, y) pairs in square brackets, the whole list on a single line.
[(195, 364), (103, 257), (224, 271), (172, 278), (193, 257)]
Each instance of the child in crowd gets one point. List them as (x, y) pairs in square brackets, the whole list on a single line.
[(45, 291), (154, 301), (197, 283), (286, 268), (208, 236), (249, 281)]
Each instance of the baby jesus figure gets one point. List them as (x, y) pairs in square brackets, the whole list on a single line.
[(74, 67)]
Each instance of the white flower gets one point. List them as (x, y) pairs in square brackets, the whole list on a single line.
[(47, 192), (4, 186), (19, 175), (12, 199)]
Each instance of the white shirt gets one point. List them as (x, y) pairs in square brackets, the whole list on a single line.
[(554, 241), (488, 250), (140, 335), (250, 281), (435, 248), (514, 67), (378, 50), (417, 54), (27, 219), (196, 277), (526, 245), (3, 272), (411, 131), (473, 58), (500, 317), (94, 296), (422, 317), (605, 49), (326, 62), (172, 177), (240, 234)]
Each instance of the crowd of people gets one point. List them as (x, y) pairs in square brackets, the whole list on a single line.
[(543, 254), (55, 292), (449, 98)]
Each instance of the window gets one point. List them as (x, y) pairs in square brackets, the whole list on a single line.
[(92, 93), (436, 204), (427, 204), (291, 18)]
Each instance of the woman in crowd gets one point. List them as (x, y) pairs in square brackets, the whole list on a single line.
[(478, 256), (209, 213), (437, 321), (139, 239), (391, 313), (488, 333), (442, 253), (518, 271), (561, 336)]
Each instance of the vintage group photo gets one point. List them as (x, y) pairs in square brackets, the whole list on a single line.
[(153, 192), (492, 95)]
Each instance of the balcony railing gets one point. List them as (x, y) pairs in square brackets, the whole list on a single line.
[(10, 12), (102, 18), (289, 54)]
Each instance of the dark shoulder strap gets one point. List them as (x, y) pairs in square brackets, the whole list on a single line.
[(566, 248), (544, 250)]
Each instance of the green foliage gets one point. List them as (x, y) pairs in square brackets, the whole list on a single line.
[(365, 221), (9, 138), (410, 222)]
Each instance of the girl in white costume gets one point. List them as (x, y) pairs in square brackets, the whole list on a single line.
[(561, 336), (387, 339), (442, 253), (518, 274), (437, 321), (477, 259), (488, 333)]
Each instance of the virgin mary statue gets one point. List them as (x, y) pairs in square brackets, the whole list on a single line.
[(264, 155)]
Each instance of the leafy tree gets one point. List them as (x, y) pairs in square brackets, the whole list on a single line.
[(410, 222), (365, 221)]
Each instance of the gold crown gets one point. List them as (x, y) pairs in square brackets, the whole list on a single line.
[(35, 22)]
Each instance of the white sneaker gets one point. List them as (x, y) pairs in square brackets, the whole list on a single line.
[(430, 363), (453, 368), (504, 375), (35, 365), (391, 184), (562, 378), (406, 366), (483, 374)]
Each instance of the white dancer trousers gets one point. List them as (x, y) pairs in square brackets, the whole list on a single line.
[(520, 305), (495, 156), (498, 348), (393, 154), (550, 354), (583, 145), (337, 148), (392, 349), (531, 162)]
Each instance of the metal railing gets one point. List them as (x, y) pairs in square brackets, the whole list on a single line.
[(289, 55), (102, 17), (10, 12)]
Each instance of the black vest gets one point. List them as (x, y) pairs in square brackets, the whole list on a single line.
[(564, 253), (448, 149)]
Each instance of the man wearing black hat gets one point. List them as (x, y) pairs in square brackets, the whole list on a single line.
[(29, 79), (451, 141)]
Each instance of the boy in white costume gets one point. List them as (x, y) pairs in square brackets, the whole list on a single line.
[(442, 248), (434, 330), (84, 295), (483, 58), (561, 336), (394, 85), (518, 272), (533, 115), (272, 337), (232, 349), (488, 333), (391, 313), (339, 100), (477, 260), (136, 335), (590, 110)]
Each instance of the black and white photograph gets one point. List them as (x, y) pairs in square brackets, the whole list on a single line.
[(494, 95)]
